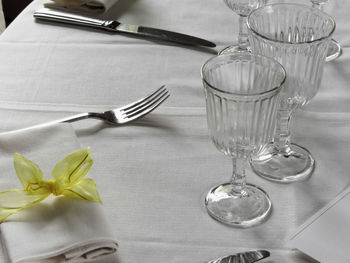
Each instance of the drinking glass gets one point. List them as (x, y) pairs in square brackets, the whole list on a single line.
[(242, 94), (297, 36), (334, 48), (242, 8)]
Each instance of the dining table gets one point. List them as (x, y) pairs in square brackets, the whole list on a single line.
[(153, 173)]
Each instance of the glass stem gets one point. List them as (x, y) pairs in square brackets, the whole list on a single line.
[(238, 179), (319, 6), (282, 135), (243, 41)]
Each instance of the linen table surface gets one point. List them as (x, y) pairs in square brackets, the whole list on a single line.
[(153, 174)]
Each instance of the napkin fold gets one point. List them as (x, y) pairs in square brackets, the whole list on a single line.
[(59, 229), (88, 6), (326, 235)]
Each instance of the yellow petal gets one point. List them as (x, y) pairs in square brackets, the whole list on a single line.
[(84, 189), (13, 201), (28, 172), (72, 168)]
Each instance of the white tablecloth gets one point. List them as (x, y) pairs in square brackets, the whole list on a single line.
[(153, 174)]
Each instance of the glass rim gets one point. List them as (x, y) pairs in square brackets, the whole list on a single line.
[(291, 4), (272, 90)]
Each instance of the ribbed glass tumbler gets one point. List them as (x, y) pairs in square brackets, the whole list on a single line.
[(297, 36), (242, 97)]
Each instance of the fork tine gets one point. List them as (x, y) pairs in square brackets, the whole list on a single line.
[(150, 104), (144, 104), (148, 108), (138, 102)]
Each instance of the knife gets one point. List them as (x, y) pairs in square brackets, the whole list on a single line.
[(245, 257), (115, 26)]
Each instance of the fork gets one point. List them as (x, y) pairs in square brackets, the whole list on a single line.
[(127, 113), (119, 116)]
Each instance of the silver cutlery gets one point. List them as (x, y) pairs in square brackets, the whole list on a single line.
[(126, 113), (119, 116), (245, 257), (116, 26)]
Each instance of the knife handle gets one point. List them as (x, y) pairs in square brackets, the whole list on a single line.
[(69, 18)]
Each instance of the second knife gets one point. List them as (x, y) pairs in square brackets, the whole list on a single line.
[(245, 257), (115, 26)]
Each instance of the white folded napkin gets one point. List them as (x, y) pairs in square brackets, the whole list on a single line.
[(91, 6), (326, 235), (59, 229), (2, 19)]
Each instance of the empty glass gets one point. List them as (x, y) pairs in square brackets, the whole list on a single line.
[(334, 48), (242, 95), (297, 36), (242, 8)]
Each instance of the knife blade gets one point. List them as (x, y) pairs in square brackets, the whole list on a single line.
[(245, 257), (116, 26)]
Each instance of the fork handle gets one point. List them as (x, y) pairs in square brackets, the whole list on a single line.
[(73, 118), (82, 116)]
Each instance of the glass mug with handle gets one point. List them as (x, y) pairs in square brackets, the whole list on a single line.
[(334, 49), (242, 96)]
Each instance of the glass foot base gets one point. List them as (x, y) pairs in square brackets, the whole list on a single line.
[(233, 49), (239, 210), (291, 165), (334, 50)]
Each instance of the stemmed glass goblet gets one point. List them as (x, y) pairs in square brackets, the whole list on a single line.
[(334, 48), (297, 36), (242, 95), (242, 8)]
